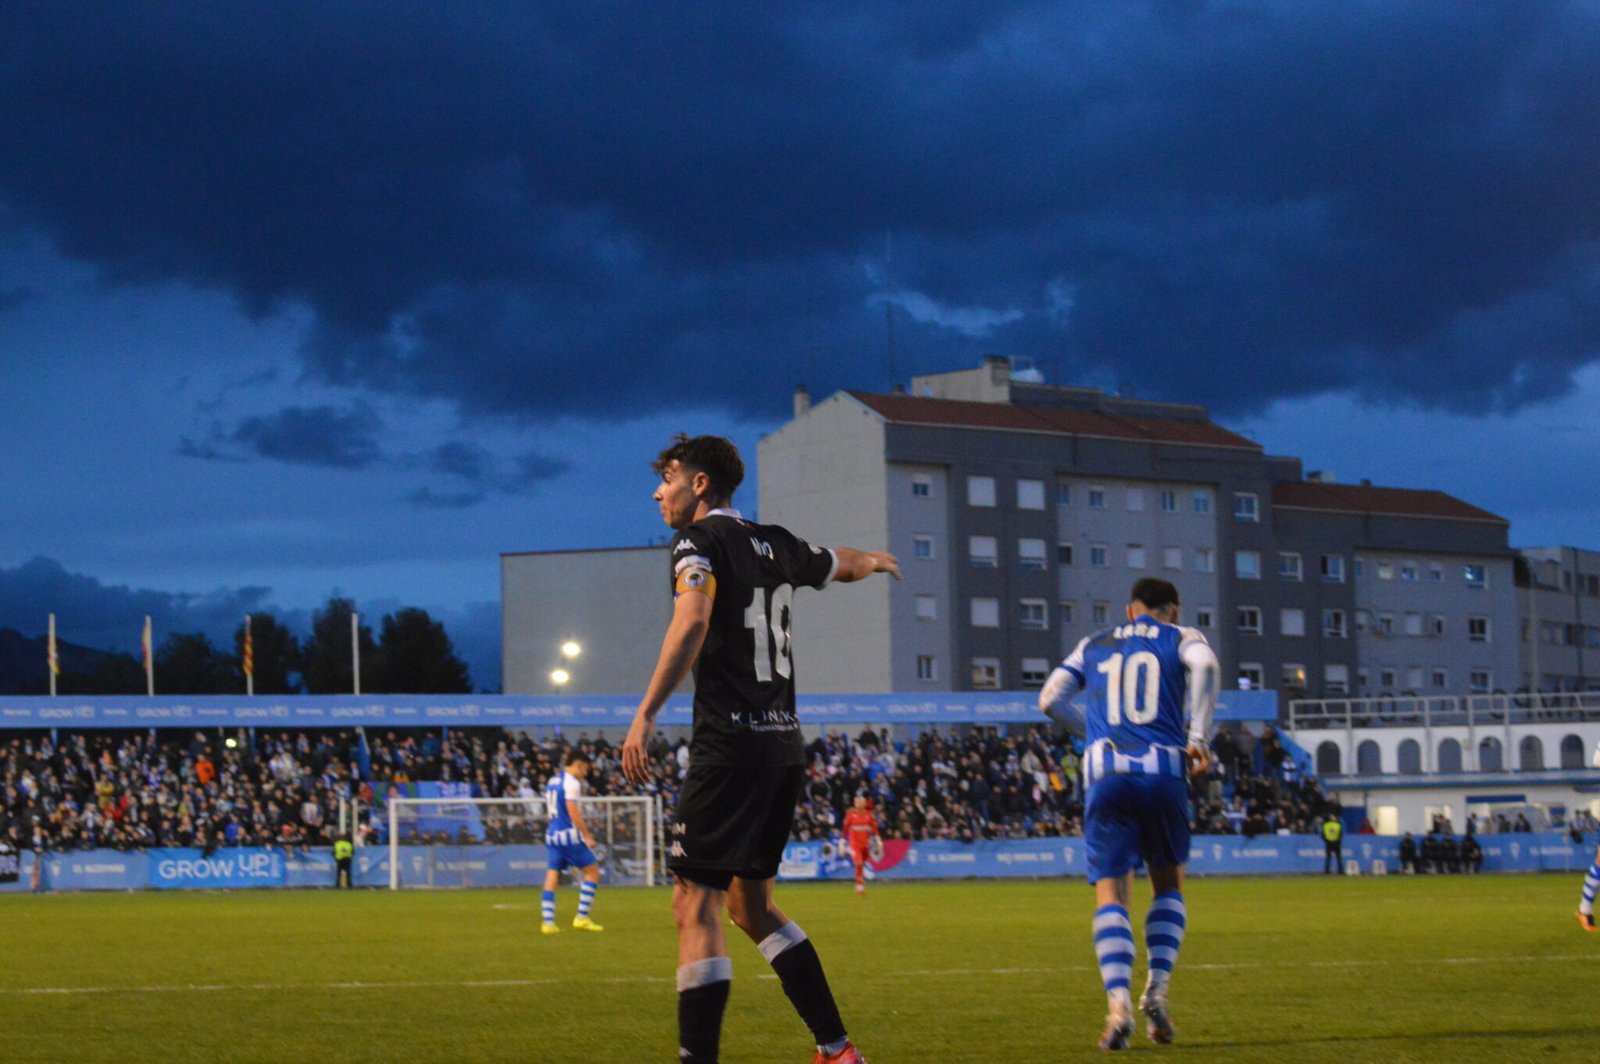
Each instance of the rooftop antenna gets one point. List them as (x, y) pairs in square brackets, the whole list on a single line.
[(888, 307)]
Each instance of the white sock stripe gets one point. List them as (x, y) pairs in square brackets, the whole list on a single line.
[(785, 937), (1105, 920), (1112, 947), (1164, 956), (704, 973), (1112, 972), (1169, 905)]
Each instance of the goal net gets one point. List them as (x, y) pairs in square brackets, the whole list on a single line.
[(497, 842)]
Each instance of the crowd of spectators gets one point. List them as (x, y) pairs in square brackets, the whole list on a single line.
[(133, 790)]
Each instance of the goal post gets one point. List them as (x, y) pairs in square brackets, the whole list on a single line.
[(482, 842)]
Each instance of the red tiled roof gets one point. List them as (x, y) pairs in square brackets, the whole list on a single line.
[(917, 410), (1400, 502)]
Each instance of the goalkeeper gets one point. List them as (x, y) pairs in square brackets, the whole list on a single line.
[(861, 833)]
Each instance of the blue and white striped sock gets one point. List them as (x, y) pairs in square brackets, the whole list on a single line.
[(547, 906), (1113, 946), (586, 897), (1163, 935), (1591, 886)]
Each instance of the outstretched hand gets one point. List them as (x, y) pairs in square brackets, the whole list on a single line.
[(1200, 758)]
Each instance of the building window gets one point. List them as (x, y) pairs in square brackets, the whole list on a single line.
[(1385, 624), (921, 485), (1413, 624), (1063, 554), (1246, 507), (1203, 617), (1333, 568), (986, 613), (1172, 557), (1097, 556), (1135, 500), (922, 547), (1205, 560), (1478, 629), (1385, 570), (1292, 622), (1136, 556), (1100, 613), (1097, 498), (1035, 671), (1480, 681), (1435, 573), (1249, 620), (1030, 553), (927, 667), (1063, 493), (927, 608), (986, 674), (1477, 576), (1168, 501), (1289, 566), (983, 552), (1441, 679), (1064, 612), (1030, 495), (1032, 614), (980, 491), (1333, 624), (1202, 502), (1408, 571), (1247, 564), (1359, 568), (1294, 676), (1336, 679), (1414, 679), (1252, 677), (1386, 679), (1363, 619)]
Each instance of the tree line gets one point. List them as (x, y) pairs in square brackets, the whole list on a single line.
[(411, 654)]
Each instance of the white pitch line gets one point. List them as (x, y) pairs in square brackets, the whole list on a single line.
[(914, 973)]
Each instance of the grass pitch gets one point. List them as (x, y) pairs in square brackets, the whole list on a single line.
[(1310, 969)]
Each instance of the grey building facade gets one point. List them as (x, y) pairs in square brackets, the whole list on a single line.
[(1558, 600)]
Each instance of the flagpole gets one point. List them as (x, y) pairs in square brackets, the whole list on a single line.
[(249, 660), (54, 657), (355, 649), (149, 661)]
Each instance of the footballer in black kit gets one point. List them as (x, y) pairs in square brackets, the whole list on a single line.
[(733, 584), (746, 758)]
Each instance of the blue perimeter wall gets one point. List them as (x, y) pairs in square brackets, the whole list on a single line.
[(511, 866)]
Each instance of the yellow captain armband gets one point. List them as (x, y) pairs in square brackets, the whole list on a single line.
[(695, 579)]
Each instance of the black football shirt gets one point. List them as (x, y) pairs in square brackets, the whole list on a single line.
[(744, 712)]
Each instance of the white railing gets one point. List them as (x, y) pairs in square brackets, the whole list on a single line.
[(1411, 711)]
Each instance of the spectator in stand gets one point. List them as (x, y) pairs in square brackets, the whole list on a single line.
[(1408, 853), (1471, 853)]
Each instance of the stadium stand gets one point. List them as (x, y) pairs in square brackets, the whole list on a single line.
[(135, 790)]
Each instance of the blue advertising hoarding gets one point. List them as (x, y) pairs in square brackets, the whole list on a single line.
[(523, 711)]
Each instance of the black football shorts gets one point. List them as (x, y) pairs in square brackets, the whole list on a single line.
[(732, 821)]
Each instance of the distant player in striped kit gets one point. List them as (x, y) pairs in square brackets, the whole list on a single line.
[(1591, 878), (569, 844), (1142, 678)]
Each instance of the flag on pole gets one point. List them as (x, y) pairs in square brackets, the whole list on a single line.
[(248, 659), (54, 655), (149, 659)]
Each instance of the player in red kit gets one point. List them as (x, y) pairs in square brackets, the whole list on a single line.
[(860, 832)]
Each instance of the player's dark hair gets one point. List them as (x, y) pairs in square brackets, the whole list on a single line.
[(715, 456), (1155, 594), (574, 756)]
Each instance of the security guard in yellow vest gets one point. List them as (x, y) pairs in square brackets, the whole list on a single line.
[(1332, 835), (343, 851)]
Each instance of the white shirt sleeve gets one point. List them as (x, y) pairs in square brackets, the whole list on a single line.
[(573, 787), (1064, 684), (1204, 675)]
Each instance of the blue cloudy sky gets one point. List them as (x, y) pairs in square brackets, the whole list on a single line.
[(298, 298)]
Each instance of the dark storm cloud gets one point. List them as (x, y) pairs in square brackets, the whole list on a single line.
[(537, 209), (105, 616), (314, 436)]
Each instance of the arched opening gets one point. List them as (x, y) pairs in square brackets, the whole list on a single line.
[(1489, 756), (1327, 758), (1530, 754), (1410, 757), (1449, 756), (1368, 758), (1572, 752)]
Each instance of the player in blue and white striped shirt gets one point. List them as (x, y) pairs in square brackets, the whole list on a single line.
[(569, 844), (1143, 679)]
